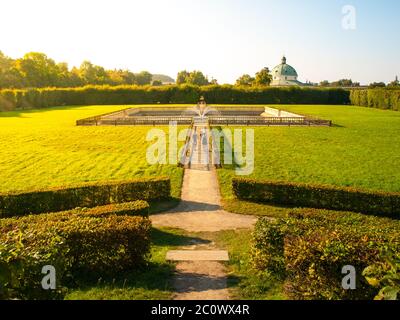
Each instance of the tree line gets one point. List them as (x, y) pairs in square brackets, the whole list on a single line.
[(348, 83), (36, 70)]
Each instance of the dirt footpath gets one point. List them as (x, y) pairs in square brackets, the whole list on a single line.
[(200, 211)]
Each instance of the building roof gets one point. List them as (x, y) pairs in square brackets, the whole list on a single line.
[(284, 70)]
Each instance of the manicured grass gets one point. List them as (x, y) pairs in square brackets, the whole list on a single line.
[(42, 148), (361, 150), (244, 282), (153, 282)]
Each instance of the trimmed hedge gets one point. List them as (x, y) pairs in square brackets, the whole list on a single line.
[(185, 94), (318, 196), (74, 244), (83, 195), (387, 99), (136, 208), (310, 248)]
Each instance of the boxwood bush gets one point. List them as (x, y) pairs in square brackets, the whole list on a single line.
[(75, 243), (310, 247), (83, 195), (318, 196)]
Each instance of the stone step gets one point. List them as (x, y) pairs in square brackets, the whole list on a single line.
[(197, 255)]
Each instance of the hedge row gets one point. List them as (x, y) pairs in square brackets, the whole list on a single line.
[(106, 95), (75, 244), (310, 248), (318, 196), (136, 208), (85, 195), (388, 99)]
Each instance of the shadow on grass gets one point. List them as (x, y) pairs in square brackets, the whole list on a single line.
[(163, 206), (256, 208), (171, 239), (19, 113)]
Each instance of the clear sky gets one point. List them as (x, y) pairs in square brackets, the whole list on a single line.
[(222, 38)]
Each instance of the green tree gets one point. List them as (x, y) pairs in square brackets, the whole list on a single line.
[(394, 83), (92, 74), (324, 83), (345, 83), (214, 82), (377, 85), (143, 78), (37, 70), (263, 78), (195, 77), (9, 76), (198, 78), (245, 80), (182, 77)]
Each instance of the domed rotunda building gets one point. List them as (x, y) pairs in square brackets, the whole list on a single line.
[(284, 75)]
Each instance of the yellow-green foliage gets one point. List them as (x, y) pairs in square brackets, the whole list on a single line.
[(310, 248), (74, 243), (45, 148)]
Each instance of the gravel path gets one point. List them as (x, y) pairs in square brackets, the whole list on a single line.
[(200, 211)]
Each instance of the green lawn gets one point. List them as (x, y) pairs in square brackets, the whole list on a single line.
[(361, 150), (42, 148)]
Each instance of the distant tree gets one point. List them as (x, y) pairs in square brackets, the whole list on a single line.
[(345, 83), (182, 77), (9, 75), (92, 74), (394, 83), (143, 78), (245, 80), (156, 83), (214, 81), (35, 69), (128, 77), (377, 85), (263, 78), (194, 77), (38, 70), (324, 83), (198, 78)]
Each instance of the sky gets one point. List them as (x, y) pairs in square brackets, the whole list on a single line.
[(222, 38)]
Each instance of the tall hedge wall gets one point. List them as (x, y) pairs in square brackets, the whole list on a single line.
[(318, 196), (106, 95), (388, 99), (86, 195)]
